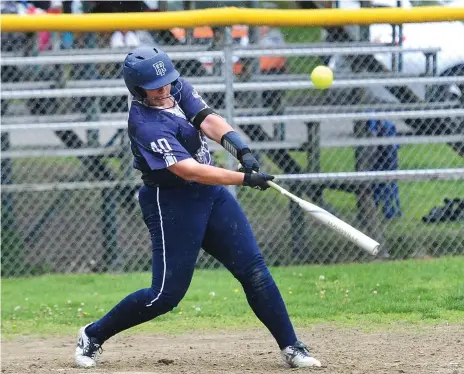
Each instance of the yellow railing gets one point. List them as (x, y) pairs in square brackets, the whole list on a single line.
[(227, 17)]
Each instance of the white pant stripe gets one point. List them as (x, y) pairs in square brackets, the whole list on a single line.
[(164, 249)]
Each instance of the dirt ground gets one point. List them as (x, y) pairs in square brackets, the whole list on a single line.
[(412, 350)]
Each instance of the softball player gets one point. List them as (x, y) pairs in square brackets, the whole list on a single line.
[(186, 207)]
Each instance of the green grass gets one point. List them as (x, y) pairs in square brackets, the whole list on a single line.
[(417, 156), (363, 294), (428, 156), (408, 233)]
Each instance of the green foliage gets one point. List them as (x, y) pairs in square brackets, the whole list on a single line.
[(302, 64), (294, 34)]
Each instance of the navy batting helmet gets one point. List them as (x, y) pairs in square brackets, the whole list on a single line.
[(148, 68)]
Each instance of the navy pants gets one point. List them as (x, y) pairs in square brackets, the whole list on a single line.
[(181, 221)]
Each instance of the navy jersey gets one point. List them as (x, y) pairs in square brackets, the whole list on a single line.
[(162, 137)]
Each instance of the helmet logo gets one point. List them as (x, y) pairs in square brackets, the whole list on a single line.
[(159, 68)]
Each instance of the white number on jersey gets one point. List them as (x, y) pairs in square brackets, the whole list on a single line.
[(162, 146)]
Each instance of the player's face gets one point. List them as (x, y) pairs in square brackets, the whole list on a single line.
[(160, 96)]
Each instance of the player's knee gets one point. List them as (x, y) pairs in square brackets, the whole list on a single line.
[(260, 278), (165, 300), (160, 306), (172, 300), (257, 275)]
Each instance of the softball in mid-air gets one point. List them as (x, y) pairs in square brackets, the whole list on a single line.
[(322, 76)]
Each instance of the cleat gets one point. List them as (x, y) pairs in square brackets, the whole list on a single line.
[(297, 356), (87, 349)]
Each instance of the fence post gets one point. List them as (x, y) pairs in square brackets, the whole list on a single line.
[(108, 195), (7, 215), (228, 74), (367, 214)]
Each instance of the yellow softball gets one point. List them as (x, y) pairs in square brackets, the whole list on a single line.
[(322, 76)]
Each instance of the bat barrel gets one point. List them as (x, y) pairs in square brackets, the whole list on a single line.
[(332, 222), (347, 231)]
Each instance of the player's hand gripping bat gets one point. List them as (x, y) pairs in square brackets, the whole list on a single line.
[(328, 219)]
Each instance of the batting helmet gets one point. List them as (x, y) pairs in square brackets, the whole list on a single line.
[(148, 68)]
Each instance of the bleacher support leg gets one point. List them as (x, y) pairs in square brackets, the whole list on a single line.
[(313, 155), (368, 217), (109, 228)]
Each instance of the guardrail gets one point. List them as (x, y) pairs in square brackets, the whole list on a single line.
[(256, 52), (313, 109), (313, 178), (295, 145), (244, 120), (240, 87), (230, 16)]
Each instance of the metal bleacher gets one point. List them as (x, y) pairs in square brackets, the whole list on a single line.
[(219, 84), (276, 146)]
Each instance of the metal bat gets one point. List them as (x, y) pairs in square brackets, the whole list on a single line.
[(332, 222)]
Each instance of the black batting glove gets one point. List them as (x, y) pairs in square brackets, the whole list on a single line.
[(257, 180), (248, 161)]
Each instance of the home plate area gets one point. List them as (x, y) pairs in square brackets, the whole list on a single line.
[(400, 348)]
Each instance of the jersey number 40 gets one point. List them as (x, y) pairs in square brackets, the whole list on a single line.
[(162, 146)]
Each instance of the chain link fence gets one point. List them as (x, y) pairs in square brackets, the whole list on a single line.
[(382, 148)]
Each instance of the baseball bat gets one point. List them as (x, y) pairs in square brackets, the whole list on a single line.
[(328, 219)]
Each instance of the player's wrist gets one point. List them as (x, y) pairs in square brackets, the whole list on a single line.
[(243, 152), (257, 180), (234, 144), (246, 179)]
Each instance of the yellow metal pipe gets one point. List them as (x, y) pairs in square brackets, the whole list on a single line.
[(227, 17)]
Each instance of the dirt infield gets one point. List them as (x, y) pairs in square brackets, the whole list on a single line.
[(414, 350)]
